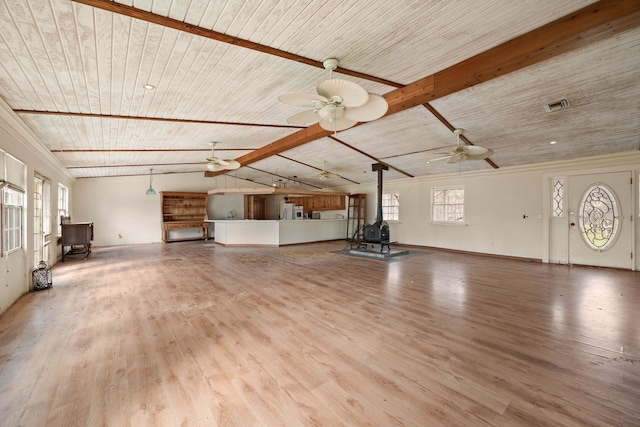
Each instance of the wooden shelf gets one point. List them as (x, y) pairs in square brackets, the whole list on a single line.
[(181, 210)]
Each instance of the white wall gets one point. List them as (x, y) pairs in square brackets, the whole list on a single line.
[(17, 140), (220, 205), (495, 203), (122, 214)]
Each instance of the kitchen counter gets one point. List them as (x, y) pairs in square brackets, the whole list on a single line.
[(242, 232)]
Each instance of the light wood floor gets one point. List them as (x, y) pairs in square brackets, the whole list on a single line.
[(196, 334)]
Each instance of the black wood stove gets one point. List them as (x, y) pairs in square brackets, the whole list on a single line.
[(378, 232)]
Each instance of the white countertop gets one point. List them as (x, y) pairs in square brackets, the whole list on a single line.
[(275, 220)]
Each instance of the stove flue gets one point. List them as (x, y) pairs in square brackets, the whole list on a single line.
[(378, 232)]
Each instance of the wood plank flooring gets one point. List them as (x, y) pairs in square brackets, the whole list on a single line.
[(197, 334)]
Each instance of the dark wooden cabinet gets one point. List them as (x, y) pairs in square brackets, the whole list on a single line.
[(356, 212), (78, 237), (182, 210)]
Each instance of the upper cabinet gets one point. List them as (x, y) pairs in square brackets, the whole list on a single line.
[(319, 203)]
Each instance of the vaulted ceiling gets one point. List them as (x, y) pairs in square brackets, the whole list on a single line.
[(74, 72)]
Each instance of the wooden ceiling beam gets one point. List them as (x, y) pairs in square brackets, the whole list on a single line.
[(595, 22), (375, 159), (157, 119), (134, 165), (318, 169), (590, 24), (282, 178), (151, 150), (288, 142), (153, 18)]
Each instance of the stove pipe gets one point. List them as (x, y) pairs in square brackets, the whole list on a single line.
[(379, 167)]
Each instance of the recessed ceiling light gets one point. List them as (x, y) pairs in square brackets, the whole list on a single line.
[(148, 86), (553, 142)]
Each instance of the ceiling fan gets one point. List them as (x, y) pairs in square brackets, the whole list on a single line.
[(338, 105), (326, 175), (215, 164), (462, 152)]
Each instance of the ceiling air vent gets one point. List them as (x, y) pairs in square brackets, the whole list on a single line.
[(555, 106)]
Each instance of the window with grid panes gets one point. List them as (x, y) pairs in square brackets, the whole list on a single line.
[(391, 206), (447, 204), (12, 202)]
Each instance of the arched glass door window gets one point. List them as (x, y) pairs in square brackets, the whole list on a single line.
[(599, 217)]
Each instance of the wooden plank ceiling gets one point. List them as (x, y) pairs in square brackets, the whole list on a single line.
[(74, 72)]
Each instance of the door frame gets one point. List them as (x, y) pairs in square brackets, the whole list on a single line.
[(550, 239)]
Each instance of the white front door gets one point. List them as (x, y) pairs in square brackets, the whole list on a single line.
[(600, 215)]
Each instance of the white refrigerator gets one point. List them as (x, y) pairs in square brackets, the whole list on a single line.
[(287, 211)]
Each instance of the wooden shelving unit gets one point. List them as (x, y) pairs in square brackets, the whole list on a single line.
[(356, 212), (182, 210)]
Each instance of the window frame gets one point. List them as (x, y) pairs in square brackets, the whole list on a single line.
[(443, 221), (610, 221), (63, 205), (394, 207), (12, 220), (557, 198)]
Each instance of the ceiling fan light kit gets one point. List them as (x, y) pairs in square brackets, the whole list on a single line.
[(338, 105), (325, 175)]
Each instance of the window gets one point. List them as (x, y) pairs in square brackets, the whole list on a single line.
[(11, 219), (599, 217), (38, 239), (391, 206), (63, 204), (41, 219), (448, 204), (558, 198)]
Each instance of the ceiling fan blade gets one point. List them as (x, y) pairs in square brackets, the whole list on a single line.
[(215, 167), (475, 150), (302, 99), (303, 118), (438, 159), (373, 109), (336, 125), (217, 161), (232, 164), (348, 93), (486, 155)]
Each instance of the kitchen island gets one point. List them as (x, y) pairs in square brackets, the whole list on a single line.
[(244, 232)]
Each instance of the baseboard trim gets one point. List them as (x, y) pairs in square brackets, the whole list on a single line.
[(458, 251)]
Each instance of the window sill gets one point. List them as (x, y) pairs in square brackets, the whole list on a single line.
[(455, 224)]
